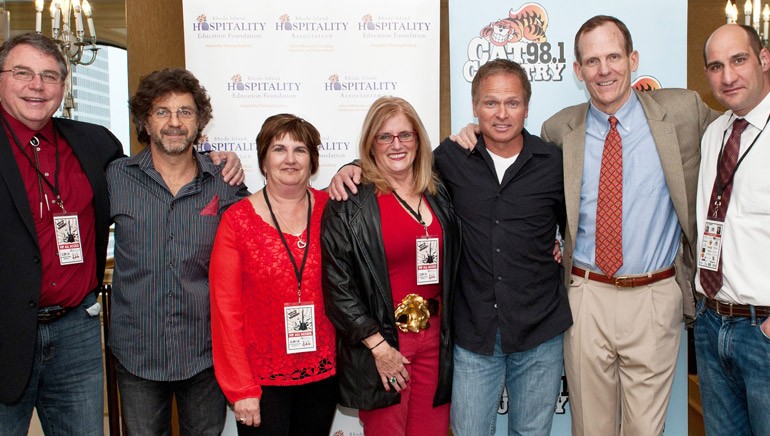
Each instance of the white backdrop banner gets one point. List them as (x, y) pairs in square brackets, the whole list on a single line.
[(325, 63), (321, 61), (540, 36)]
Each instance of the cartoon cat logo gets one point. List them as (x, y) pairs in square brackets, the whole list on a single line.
[(529, 22)]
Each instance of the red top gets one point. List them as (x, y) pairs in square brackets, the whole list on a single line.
[(399, 234), (251, 279), (63, 285)]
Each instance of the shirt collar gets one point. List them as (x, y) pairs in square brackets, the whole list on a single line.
[(623, 114), (143, 160), (24, 133), (757, 117)]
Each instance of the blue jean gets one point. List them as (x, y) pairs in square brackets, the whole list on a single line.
[(66, 384), (533, 380), (732, 357), (146, 404)]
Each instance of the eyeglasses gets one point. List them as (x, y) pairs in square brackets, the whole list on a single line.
[(182, 114), (387, 138), (27, 75)]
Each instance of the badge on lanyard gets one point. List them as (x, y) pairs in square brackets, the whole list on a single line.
[(299, 320), (68, 242), (711, 245), (427, 260)]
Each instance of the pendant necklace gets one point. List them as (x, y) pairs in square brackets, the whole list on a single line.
[(300, 243)]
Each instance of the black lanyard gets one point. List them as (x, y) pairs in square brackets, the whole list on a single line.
[(721, 187), (297, 271), (417, 215), (36, 163)]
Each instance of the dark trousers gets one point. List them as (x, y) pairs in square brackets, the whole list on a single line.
[(304, 410), (146, 404)]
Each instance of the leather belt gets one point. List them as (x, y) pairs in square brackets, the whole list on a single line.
[(626, 281), (50, 314), (742, 310)]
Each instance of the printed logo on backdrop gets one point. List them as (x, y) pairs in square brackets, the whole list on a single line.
[(354, 93), (240, 144), (227, 28), (331, 150), (315, 27), (521, 36), (646, 83), (351, 433), (359, 84), (393, 27), (262, 90)]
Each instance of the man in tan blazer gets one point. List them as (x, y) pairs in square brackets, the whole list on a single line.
[(621, 352)]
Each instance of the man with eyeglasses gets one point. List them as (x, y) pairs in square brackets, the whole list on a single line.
[(510, 308), (166, 203), (54, 230)]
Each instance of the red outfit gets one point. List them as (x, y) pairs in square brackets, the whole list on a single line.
[(251, 279), (62, 285), (415, 414)]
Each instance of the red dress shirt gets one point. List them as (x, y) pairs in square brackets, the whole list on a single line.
[(62, 285)]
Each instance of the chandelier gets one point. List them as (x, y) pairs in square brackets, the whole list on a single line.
[(69, 20), (751, 16)]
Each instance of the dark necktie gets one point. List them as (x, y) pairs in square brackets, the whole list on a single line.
[(711, 281), (609, 204)]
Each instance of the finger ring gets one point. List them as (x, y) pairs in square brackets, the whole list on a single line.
[(241, 169), (392, 379), (242, 419)]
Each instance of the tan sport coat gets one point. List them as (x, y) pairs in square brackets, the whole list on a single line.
[(677, 119)]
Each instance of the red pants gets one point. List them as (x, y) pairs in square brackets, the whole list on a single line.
[(415, 414)]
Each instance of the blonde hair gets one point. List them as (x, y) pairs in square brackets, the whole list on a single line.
[(383, 109)]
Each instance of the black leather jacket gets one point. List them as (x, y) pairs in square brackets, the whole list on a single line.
[(358, 298)]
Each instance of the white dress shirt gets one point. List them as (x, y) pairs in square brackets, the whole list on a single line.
[(746, 233)]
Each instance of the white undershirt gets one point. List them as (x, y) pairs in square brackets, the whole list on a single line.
[(502, 164)]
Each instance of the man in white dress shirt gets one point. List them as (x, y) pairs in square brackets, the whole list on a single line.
[(732, 330)]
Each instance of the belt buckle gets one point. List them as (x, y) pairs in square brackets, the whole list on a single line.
[(412, 314), (719, 308), (619, 281)]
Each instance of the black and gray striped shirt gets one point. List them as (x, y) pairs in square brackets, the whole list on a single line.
[(160, 328)]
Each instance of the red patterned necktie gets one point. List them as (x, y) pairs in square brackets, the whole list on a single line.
[(609, 205), (711, 281)]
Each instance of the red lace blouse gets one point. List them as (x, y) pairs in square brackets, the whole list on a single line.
[(251, 279)]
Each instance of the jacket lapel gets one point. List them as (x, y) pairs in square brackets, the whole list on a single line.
[(369, 236), (573, 149), (10, 174)]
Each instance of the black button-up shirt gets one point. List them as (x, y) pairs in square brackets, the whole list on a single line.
[(508, 279)]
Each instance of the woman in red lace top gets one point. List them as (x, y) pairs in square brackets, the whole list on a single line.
[(273, 346)]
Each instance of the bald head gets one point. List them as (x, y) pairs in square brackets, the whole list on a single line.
[(736, 67)]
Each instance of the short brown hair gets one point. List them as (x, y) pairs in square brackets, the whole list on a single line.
[(161, 83), (383, 109), (598, 21), (500, 66), (276, 126), (41, 42)]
